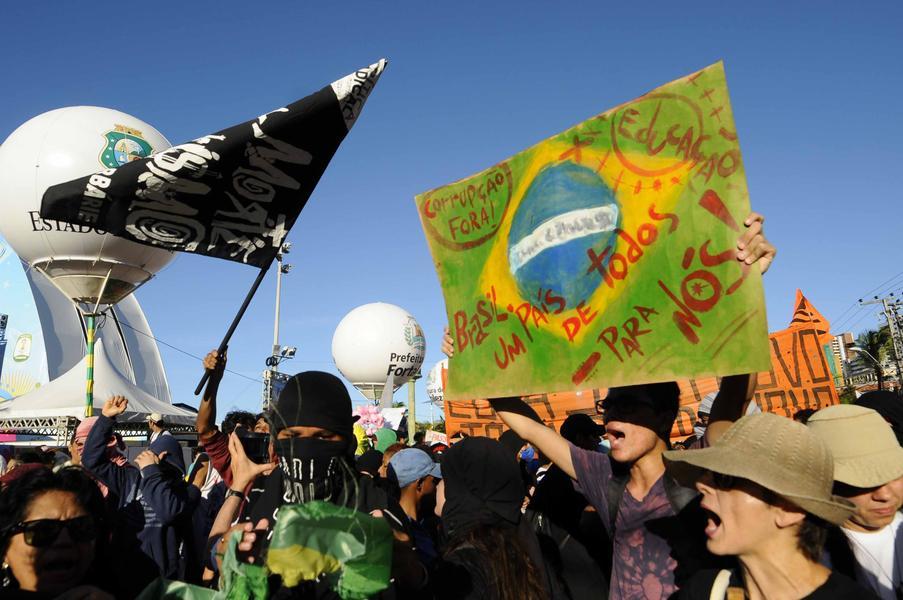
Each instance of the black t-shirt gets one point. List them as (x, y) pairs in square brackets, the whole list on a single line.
[(837, 587)]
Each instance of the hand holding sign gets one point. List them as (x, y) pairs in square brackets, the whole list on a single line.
[(605, 255)]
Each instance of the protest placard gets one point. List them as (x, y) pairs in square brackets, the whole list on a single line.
[(604, 255), (800, 376)]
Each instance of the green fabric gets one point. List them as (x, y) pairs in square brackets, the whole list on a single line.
[(238, 581), (164, 589), (352, 549), (385, 438)]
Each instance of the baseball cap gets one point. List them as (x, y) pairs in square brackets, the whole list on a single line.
[(155, 417), (412, 464), (866, 451), (580, 424)]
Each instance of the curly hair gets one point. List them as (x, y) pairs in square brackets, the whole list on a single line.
[(238, 417)]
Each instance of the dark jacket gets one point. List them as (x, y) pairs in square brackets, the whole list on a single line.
[(153, 506)]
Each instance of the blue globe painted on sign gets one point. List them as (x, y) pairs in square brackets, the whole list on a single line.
[(566, 210)]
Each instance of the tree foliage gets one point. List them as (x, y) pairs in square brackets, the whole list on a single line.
[(874, 342)]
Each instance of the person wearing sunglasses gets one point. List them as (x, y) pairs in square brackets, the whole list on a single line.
[(52, 536), (766, 487)]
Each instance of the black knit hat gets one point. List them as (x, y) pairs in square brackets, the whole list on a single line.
[(315, 399)]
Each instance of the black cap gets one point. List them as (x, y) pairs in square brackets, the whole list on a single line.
[(315, 399), (580, 424)]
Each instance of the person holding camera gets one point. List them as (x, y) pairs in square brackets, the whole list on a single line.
[(314, 443)]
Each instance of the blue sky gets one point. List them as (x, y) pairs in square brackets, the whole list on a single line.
[(815, 92)]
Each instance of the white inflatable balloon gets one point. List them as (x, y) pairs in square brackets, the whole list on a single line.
[(56, 147), (375, 340), (435, 386)]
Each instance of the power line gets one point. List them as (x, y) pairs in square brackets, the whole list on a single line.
[(886, 286), (853, 315), (872, 291), (864, 315), (186, 353)]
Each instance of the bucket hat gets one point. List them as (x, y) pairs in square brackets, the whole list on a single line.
[(866, 451), (774, 452)]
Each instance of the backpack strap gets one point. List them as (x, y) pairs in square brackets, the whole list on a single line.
[(678, 495), (720, 585), (619, 478)]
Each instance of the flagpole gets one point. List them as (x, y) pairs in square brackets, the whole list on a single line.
[(235, 321)]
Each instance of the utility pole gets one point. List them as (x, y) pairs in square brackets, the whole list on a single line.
[(279, 353), (412, 409), (890, 304)]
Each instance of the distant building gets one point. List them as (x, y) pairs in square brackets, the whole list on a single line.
[(841, 357)]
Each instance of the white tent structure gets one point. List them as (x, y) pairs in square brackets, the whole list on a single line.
[(54, 409)]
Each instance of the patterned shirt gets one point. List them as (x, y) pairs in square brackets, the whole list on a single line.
[(642, 565)]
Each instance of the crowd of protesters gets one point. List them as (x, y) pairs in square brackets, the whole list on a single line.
[(753, 506)]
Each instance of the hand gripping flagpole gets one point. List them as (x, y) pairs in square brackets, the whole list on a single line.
[(236, 320)]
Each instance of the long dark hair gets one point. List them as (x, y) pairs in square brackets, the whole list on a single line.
[(16, 499), (504, 562)]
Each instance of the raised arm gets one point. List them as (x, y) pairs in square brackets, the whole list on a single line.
[(736, 391), (730, 404), (94, 455), (205, 421), (244, 472), (524, 421)]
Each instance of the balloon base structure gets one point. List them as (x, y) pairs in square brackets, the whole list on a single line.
[(90, 331)]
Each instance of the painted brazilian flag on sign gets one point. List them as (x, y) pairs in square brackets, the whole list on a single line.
[(604, 255)]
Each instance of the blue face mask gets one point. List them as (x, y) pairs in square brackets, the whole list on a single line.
[(527, 454)]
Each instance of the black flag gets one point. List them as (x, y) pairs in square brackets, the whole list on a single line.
[(232, 194)]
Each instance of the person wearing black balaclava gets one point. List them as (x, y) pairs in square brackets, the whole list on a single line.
[(489, 553), (314, 443)]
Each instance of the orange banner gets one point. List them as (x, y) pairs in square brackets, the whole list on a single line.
[(800, 377)]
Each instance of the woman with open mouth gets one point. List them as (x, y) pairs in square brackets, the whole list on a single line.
[(766, 487)]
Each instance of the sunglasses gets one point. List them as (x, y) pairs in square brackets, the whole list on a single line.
[(43, 532)]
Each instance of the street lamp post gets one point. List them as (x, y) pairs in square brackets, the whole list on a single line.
[(279, 352), (861, 350)]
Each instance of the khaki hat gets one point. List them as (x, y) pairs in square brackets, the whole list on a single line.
[(865, 449), (777, 453), (155, 417)]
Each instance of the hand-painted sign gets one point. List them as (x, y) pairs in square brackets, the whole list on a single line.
[(603, 255), (800, 377)]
